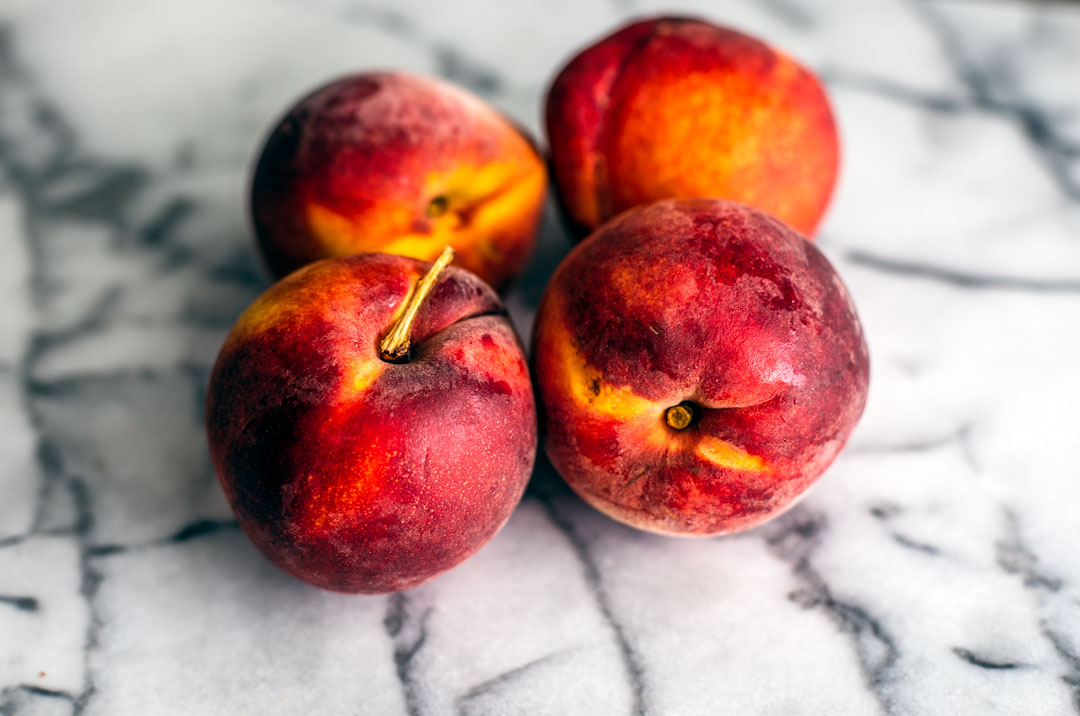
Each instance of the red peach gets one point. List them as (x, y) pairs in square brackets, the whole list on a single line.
[(678, 107), (698, 366), (399, 164), (354, 473)]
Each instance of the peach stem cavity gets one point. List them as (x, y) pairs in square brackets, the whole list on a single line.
[(679, 416)]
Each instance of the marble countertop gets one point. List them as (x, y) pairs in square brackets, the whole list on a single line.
[(934, 570)]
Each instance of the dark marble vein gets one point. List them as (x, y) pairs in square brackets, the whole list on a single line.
[(203, 528), (195, 530), (1069, 655), (62, 184), (897, 92), (167, 221), (31, 183), (985, 86), (109, 189), (631, 659), (242, 269), (89, 583), (794, 539), (1015, 557), (23, 604), (961, 279), (450, 61), (885, 512), (498, 681), (20, 165), (982, 663), (388, 20), (409, 633), (453, 65), (71, 383), (48, 693), (12, 697), (94, 319), (914, 545)]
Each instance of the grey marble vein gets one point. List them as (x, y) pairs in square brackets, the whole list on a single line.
[(962, 279), (632, 661)]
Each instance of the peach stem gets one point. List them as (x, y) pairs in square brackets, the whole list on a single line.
[(394, 347)]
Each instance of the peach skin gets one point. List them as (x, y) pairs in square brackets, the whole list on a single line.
[(698, 366), (400, 164), (372, 429), (678, 108)]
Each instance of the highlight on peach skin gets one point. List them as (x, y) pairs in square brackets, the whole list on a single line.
[(371, 428), (679, 107), (401, 164), (698, 366)]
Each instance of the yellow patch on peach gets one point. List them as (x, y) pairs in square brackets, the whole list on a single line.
[(505, 207), (341, 235), (467, 184), (586, 385), (723, 454), (360, 376), (484, 203), (273, 308)]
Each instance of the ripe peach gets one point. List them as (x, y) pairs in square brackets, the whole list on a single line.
[(698, 366), (352, 461), (400, 164), (678, 107)]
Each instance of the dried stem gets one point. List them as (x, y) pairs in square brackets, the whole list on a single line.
[(394, 347)]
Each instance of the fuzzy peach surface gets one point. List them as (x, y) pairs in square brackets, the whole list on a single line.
[(677, 107), (708, 304), (360, 475), (400, 164)]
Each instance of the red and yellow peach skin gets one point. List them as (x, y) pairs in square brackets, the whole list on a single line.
[(400, 164), (698, 366), (677, 107), (361, 475)]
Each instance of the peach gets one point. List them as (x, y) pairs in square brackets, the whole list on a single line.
[(370, 435), (698, 366), (400, 164), (679, 108)]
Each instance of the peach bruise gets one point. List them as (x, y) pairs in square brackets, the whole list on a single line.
[(402, 164), (371, 428), (698, 366), (679, 107)]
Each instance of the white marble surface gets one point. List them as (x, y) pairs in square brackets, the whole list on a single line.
[(934, 570)]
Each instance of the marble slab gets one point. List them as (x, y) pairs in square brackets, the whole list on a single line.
[(934, 570)]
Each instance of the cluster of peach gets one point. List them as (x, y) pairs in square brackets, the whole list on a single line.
[(697, 363)]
